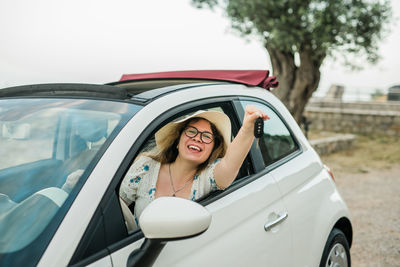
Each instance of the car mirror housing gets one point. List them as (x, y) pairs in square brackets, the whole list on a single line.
[(174, 218)]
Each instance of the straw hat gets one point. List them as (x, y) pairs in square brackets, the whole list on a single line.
[(219, 119)]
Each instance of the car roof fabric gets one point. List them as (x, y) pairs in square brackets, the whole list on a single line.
[(249, 77)]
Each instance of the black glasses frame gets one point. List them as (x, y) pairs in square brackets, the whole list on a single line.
[(198, 132)]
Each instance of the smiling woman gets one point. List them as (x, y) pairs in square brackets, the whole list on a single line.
[(181, 164), (193, 156)]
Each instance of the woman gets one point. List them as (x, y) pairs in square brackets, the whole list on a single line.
[(193, 158)]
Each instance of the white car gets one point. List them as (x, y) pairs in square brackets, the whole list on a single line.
[(283, 209)]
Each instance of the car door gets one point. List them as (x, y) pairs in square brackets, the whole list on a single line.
[(298, 173), (237, 235), (248, 223)]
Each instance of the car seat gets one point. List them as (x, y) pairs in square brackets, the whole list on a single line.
[(85, 143)]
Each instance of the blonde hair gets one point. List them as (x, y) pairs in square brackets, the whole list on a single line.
[(167, 151)]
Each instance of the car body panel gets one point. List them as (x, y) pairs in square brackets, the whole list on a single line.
[(103, 262), (309, 194), (311, 197)]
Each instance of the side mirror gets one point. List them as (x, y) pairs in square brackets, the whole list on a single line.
[(173, 217), (165, 219)]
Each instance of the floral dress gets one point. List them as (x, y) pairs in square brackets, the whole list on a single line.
[(139, 184)]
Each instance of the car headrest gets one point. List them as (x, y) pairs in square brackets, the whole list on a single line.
[(91, 128)]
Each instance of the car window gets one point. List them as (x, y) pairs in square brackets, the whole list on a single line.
[(277, 141), (47, 148)]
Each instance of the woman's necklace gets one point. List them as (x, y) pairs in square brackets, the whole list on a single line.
[(172, 183)]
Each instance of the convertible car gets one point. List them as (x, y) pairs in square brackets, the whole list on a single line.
[(283, 209)]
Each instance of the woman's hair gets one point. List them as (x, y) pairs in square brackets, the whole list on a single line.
[(167, 150)]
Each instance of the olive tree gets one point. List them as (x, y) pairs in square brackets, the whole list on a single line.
[(300, 34)]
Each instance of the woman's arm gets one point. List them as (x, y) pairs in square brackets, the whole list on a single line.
[(227, 169)]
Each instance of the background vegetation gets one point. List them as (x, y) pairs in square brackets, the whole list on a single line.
[(300, 34)]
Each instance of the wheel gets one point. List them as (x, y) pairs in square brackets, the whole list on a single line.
[(336, 252)]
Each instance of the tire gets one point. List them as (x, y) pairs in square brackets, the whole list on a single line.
[(336, 252)]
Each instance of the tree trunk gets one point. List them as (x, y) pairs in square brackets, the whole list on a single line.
[(296, 83)]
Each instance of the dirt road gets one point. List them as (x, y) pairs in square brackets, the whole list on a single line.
[(373, 198)]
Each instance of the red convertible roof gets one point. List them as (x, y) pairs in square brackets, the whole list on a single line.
[(249, 77)]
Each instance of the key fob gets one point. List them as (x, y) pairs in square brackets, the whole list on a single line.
[(258, 127)]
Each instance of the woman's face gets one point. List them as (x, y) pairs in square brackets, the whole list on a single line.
[(193, 148)]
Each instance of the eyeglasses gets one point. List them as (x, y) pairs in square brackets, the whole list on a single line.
[(206, 137)]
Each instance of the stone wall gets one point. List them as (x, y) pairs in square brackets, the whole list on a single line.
[(359, 118), (332, 144), (366, 105)]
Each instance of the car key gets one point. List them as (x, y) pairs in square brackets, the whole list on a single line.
[(258, 128)]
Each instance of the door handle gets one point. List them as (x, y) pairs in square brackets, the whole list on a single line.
[(283, 216)]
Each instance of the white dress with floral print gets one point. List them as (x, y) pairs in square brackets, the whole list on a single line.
[(139, 184)]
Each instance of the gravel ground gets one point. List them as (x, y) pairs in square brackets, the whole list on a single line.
[(373, 198)]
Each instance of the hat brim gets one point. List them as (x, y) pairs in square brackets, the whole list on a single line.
[(219, 119)]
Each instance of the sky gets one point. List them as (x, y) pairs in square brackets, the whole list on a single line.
[(96, 41)]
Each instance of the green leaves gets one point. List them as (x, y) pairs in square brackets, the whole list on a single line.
[(322, 26)]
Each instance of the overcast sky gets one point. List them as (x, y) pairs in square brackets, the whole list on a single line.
[(96, 41)]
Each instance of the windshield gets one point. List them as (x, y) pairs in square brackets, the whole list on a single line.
[(48, 149)]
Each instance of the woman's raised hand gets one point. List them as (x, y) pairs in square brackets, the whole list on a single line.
[(251, 114)]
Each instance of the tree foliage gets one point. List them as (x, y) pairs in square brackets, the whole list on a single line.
[(310, 29)]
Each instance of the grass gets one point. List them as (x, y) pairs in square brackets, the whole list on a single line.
[(369, 152)]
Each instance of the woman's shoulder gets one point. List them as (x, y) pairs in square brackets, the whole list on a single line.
[(209, 169), (212, 164), (142, 164), (206, 182)]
